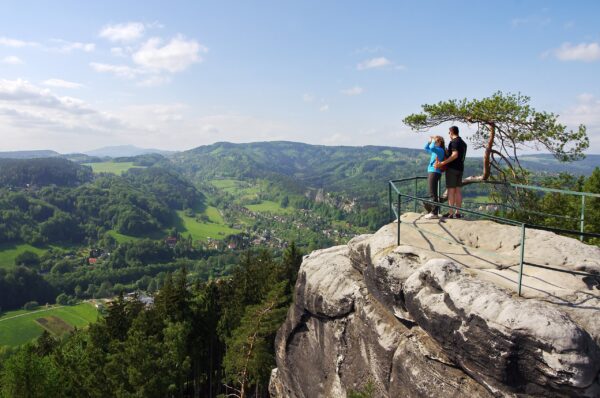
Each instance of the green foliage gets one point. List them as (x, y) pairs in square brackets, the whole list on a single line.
[(28, 375), (194, 339), (140, 203), (249, 358), (19, 285), (367, 391), (510, 123), (30, 305), (62, 299), (28, 259), (42, 172)]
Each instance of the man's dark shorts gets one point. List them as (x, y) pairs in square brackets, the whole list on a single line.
[(453, 178)]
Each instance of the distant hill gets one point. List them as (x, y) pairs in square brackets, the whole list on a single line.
[(28, 154), (81, 158), (356, 171), (546, 163), (124, 151), (42, 172)]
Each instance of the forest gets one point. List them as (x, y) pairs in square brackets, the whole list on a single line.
[(199, 339)]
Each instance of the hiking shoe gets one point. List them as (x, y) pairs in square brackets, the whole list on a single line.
[(458, 215), (431, 216)]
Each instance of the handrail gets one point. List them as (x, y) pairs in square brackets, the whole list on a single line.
[(555, 190), (410, 198)]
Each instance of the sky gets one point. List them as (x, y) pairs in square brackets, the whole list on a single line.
[(79, 75)]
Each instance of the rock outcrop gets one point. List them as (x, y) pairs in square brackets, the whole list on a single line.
[(438, 316)]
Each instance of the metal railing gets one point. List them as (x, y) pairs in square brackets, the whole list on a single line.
[(397, 211)]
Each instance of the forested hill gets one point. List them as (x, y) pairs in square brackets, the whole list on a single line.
[(546, 163), (353, 170), (42, 172), (28, 154)]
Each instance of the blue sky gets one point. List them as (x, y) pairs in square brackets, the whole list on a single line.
[(76, 75)]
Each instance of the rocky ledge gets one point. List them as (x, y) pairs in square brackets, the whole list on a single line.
[(439, 315)]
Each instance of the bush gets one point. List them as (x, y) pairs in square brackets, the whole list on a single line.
[(28, 259), (30, 305), (63, 299)]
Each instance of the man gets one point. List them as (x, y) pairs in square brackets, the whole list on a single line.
[(456, 165)]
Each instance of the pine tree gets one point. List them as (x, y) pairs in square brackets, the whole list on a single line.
[(249, 357)]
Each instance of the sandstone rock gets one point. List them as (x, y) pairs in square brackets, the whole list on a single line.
[(510, 343), (438, 316)]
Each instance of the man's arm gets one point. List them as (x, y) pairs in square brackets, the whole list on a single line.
[(450, 159)]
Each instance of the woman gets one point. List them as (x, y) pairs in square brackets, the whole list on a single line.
[(435, 146)]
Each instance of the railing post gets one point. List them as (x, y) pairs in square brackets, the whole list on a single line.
[(399, 208), (582, 223), (415, 195), (522, 257), (390, 200)]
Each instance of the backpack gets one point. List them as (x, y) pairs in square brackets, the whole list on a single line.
[(444, 167)]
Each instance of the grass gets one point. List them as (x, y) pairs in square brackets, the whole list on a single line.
[(112, 167), (215, 228), (8, 253), (226, 185), (119, 237), (242, 190), (19, 327), (267, 206)]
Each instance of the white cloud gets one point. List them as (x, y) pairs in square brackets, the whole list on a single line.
[(308, 97), (324, 108), (26, 109), (586, 52), (123, 71), (66, 47), (154, 81), (61, 83), (374, 63), (356, 90), (585, 111), (58, 45), (125, 32), (177, 126), (175, 56), (12, 60), (8, 42), (117, 51)]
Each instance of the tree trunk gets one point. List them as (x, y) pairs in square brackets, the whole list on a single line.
[(488, 152)]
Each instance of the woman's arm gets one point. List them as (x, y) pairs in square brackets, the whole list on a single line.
[(428, 146)]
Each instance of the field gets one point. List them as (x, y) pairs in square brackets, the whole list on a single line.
[(215, 228), (112, 167), (119, 237), (267, 206), (18, 327), (8, 252), (241, 190)]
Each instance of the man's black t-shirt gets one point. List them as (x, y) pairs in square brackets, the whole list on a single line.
[(457, 144)]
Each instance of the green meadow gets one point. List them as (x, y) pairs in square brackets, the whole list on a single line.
[(19, 327), (8, 253), (111, 167), (215, 228), (267, 206), (241, 190), (121, 238)]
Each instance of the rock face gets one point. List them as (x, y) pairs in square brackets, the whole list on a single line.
[(438, 316)]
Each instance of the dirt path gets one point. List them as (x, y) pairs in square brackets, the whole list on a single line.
[(32, 312)]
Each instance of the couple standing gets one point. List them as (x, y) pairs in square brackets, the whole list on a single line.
[(453, 164)]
